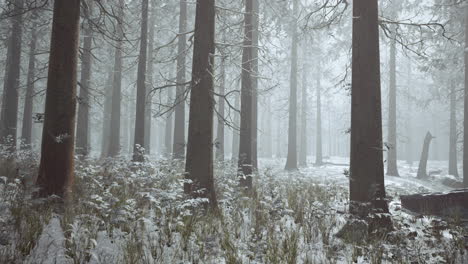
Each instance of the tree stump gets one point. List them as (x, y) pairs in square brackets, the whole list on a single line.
[(454, 203)]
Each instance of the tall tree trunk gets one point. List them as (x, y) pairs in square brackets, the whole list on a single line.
[(453, 133), (235, 132), (318, 136), (422, 170), (26, 131), (114, 142), (220, 129), (179, 117), (409, 129), (392, 168), (149, 78), (168, 127), (56, 169), (82, 128), (305, 68), (366, 170), (199, 162), (465, 113), (268, 130), (9, 111), (291, 161), (139, 135), (255, 73), (245, 143), (106, 115)]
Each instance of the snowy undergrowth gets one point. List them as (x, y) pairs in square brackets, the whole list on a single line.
[(123, 212)]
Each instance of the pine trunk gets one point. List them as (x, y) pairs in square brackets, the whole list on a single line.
[(305, 68), (26, 130), (56, 169), (453, 134), (392, 168), (254, 50), (106, 115), (465, 113), (149, 78), (220, 128)]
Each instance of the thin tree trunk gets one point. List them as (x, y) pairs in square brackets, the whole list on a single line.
[(114, 142), (56, 169), (245, 144), (179, 116), (291, 161), (465, 113), (392, 168), (82, 128), (9, 111), (422, 170), (409, 132), (220, 129), (26, 130), (199, 162), (305, 68), (366, 170), (235, 132), (139, 134), (106, 116), (168, 127), (149, 77), (254, 50), (453, 134), (318, 137)]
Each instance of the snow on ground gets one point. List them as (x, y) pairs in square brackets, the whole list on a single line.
[(137, 213)]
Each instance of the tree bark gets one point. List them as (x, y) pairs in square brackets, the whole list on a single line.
[(318, 136), (392, 168), (367, 189), (56, 169), (245, 143), (168, 127), (199, 162), (305, 72), (465, 113), (149, 77), (9, 111), (255, 73), (114, 142), (179, 117), (26, 130), (422, 170), (291, 161), (220, 128), (235, 132), (409, 130), (106, 115), (453, 170), (139, 135), (82, 128)]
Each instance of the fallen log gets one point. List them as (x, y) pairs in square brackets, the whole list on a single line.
[(454, 203)]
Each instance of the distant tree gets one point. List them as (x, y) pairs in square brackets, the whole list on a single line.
[(179, 113), (56, 167), (422, 169), (106, 118), (452, 169), (199, 161), (304, 103), (26, 130), (367, 188), (392, 167), (114, 142), (9, 111), (149, 79), (245, 140), (220, 129), (168, 142), (318, 136), (82, 128), (235, 132), (291, 161), (139, 135), (254, 77)]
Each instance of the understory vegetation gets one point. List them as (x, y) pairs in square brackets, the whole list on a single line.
[(125, 212)]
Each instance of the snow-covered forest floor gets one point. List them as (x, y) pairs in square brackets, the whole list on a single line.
[(123, 212)]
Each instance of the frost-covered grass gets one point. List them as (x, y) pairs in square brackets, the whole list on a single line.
[(122, 212)]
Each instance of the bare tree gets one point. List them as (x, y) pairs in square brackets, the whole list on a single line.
[(392, 168)]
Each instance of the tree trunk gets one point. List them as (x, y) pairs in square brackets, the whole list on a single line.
[(26, 131), (255, 73), (168, 127), (199, 162), (56, 169), (149, 77), (305, 68), (235, 132), (291, 161), (220, 131), (318, 136), (453, 134), (9, 111), (465, 117), (139, 135), (82, 128), (179, 117), (106, 116), (245, 144), (114, 142), (366, 170), (392, 168), (409, 132), (422, 170)]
